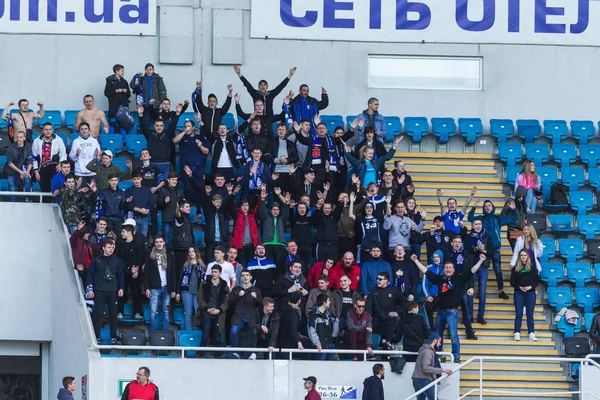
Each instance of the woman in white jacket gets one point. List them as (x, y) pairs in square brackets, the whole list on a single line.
[(531, 244)]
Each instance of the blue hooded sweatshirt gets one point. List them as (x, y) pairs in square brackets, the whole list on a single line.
[(64, 394), (430, 289), (369, 272)]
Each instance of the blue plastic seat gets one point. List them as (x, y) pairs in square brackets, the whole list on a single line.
[(573, 177), (189, 339), (470, 128), (198, 237), (52, 116), (511, 173), (564, 153), (560, 297), (589, 318), (568, 329), (394, 127), (589, 225), (529, 129), (179, 316), (228, 120), (120, 162), (552, 273), (135, 144), (549, 176), (571, 249), (73, 136), (125, 185), (376, 340), (186, 116), (105, 337), (590, 154), (583, 131), (112, 142), (579, 273), (416, 127), (556, 130), (562, 223), (549, 248), (594, 177), (3, 122), (443, 128), (588, 298), (333, 121), (70, 117), (502, 129), (582, 202), (538, 152), (510, 153)]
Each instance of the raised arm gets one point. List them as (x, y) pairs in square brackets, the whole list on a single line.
[(479, 262), (351, 208), (473, 192), (438, 194), (7, 109), (418, 263)]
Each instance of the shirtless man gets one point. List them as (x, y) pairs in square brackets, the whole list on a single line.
[(23, 121), (92, 115)]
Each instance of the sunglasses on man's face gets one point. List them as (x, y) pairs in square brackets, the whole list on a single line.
[(380, 279), (360, 306)]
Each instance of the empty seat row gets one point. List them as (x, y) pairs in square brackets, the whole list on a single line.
[(571, 249), (578, 273), (588, 225), (560, 297), (563, 153)]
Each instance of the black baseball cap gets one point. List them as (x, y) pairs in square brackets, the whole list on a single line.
[(311, 379), (438, 218)]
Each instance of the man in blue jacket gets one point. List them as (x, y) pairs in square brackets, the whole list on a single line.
[(371, 269), (373, 119), (305, 107), (491, 228)]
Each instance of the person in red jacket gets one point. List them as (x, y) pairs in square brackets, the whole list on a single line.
[(318, 269), (83, 251), (310, 384), (347, 266), (141, 388), (245, 232)]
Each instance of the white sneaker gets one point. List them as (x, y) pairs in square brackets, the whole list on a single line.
[(532, 337), (517, 336), (235, 355), (119, 316), (138, 316), (252, 356)]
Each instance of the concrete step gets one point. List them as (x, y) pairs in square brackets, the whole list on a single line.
[(491, 366), (408, 157), (545, 377), (460, 196), (506, 343), (509, 326), (496, 396), (460, 179), (461, 186), (467, 352), (484, 334), (517, 385), (444, 161), (496, 316)]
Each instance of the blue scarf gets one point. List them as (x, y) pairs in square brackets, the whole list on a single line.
[(256, 180), (185, 280), (317, 145), (137, 90), (241, 150)]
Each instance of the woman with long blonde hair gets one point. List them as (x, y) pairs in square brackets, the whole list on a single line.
[(531, 181), (531, 244), (524, 278), (192, 276)]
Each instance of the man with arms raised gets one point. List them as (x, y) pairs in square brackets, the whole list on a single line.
[(23, 120)]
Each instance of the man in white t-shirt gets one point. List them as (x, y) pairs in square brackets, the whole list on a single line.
[(83, 150), (228, 271)]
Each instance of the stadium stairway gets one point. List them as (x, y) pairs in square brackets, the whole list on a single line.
[(456, 174)]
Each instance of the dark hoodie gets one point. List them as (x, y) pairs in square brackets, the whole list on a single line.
[(373, 388), (409, 280), (471, 242), (64, 394), (430, 289), (492, 224), (520, 208), (413, 332)]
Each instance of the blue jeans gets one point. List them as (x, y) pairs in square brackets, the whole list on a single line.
[(111, 129), (250, 334), (165, 168), (481, 276), (531, 200), (466, 307), (190, 306), (167, 231), (449, 316), (159, 295), (141, 224), (497, 269), (419, 384), (526, 300), (13, 184), (325, 356)]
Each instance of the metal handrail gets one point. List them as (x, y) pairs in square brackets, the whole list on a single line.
[(41, 195), (587, 359)]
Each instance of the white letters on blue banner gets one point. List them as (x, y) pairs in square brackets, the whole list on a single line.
[(86, 17), (546, 22)]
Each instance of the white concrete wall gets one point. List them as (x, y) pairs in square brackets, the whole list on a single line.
[(520, 81), (247, 379), (589, 378)]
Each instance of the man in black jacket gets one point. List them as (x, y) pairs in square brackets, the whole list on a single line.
[(437, 238), (406, 275), (109, 204), (260, 113), (411, 331), (245, 299), (215, 210), (213, 302), (211, 114), (160, 282), (326, 220), (292, 282), (373, 385), (118, 93), (133, 254), (386, 306), (104, 286), (167, 200), (19, 162), (263, 92), (268, 331), (224, 158), (284, 154)]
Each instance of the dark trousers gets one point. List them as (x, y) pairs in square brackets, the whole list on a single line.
[(246, 254), (277, 253), (100, 300), (430, 308), (210, 331), (47, 172), (284, 182), (327, 250), (305, 252), (345, 244), (114, 225), (135, 285), (180, 257), (384, 328)]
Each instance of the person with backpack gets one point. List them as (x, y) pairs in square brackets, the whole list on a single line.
[(532, 182)]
